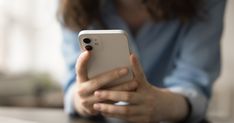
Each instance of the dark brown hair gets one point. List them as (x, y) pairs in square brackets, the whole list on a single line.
[(78, 14)]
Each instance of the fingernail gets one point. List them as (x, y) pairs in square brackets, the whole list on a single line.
[(96, 106), (123, 71), (97, 93)]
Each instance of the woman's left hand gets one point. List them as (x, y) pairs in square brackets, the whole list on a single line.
[(147, 104)]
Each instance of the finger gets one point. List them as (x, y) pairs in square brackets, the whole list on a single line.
[(92, 100), (81, 66), (115, 110), (82, 106), (130, 97), (102, 80), (136, 67), (127, 86), (87, 105)]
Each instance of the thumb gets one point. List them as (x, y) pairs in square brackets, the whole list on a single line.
[(136, 68), (81, 66)]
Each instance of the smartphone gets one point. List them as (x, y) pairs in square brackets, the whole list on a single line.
[(109, 50)]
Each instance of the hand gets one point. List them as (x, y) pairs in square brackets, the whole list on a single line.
[(147, 104), (84, 93)]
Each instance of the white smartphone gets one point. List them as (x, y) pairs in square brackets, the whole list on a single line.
[(109, 50)]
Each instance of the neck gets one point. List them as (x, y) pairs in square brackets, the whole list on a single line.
[(133, 12)]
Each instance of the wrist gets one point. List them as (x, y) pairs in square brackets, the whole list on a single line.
[(178, 107), (174, 106)]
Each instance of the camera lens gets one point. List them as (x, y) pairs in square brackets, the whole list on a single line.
[(87, 40), (88, 47)]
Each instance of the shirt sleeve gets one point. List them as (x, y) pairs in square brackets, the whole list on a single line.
[(71, 51), (197, 63)]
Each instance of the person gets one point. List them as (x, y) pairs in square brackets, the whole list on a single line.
[(175, 60)]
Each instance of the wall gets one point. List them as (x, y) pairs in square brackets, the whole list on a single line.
[(222, 104), (30, 38)]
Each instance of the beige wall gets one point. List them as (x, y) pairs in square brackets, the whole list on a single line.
[(222, 104)]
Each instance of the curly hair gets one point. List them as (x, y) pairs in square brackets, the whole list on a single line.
[(78, 14)]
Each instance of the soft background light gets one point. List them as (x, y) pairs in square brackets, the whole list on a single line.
[(30, 37)]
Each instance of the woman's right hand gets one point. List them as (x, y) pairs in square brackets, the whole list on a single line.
[(84, 93)]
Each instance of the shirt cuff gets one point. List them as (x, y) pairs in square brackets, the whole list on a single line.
[(197, 100), (69, 107)]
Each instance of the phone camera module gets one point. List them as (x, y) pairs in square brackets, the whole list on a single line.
[(86, 40), (88, 47)]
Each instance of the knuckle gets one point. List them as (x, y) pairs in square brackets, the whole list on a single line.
[(131, 84), (107, 109), (81, 91), (96, 83), (128, 86), (135, 83), (84, 103), (128, 97), (105, 94), (116, 74)]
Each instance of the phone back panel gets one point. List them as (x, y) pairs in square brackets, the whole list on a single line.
[(110, 51)]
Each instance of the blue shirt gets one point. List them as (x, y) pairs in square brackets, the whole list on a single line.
[(183, 57)]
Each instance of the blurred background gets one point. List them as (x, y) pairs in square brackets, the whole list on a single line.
[(32, 69), (31, 65)]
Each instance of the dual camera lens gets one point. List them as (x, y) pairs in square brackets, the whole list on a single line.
[(87, 41)]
